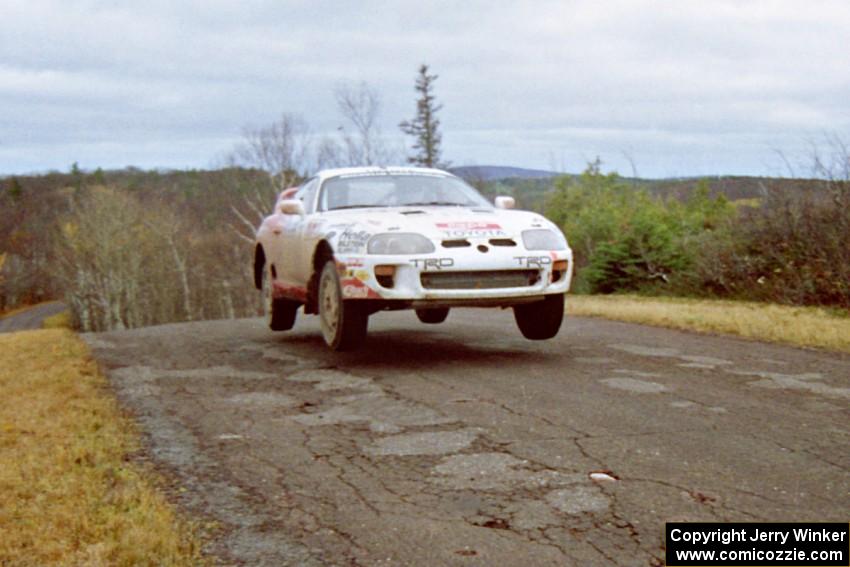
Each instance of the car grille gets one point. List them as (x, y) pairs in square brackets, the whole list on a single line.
[(491, 279)]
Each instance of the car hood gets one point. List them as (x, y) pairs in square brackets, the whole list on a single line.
[(441, 223)]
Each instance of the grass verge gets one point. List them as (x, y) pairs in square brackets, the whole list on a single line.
[(68, 495), (59, 321), (798, 326)]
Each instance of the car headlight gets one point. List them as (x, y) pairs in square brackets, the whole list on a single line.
[(543, 239), (399, 243)]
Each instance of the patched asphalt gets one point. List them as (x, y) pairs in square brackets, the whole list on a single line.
[(465, 444)]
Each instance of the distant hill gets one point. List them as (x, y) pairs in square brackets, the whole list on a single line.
[(531, 192), (498, 179), (495, 172), (733, 187)]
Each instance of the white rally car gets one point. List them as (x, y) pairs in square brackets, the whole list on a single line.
[(351, 242)]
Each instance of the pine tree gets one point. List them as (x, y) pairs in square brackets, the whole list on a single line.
[(425, 127), (76, 176), (15, 189)]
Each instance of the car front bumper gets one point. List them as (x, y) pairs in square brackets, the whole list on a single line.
[(467, 276)]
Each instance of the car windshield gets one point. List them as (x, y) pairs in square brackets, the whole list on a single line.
[(397, 190)]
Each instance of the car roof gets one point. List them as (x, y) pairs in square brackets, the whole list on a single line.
[(375, 170)]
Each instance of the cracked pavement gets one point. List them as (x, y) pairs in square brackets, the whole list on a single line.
[(464, 444)]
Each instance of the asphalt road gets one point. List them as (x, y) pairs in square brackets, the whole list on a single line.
[(464, 444), (31, 318)]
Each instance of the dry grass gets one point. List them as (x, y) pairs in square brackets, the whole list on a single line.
[(798, 326), (59, 321), (68, 496)]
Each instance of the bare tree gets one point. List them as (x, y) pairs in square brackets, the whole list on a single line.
[(833, 167), (110, 263), (125, 262), (286, 151), (281, 149), (627, 154), (330, 153), (834, 164), (168, 227), (792, 173), (360, 105), (359, 140)]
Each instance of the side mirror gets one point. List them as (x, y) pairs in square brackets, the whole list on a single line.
[(505, 202), (291, 207)]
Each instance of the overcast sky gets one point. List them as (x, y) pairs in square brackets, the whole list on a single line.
[(678, 88)]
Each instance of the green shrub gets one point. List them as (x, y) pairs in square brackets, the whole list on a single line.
[(625, 239), (793, 249)]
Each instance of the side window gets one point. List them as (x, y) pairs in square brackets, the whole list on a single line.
[(307, 194)]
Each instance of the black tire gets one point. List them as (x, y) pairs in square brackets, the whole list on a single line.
[(344, 322), (540, 320), (433, 316), (280, 312)]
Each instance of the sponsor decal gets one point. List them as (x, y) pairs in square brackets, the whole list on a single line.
[(355, 292), (473, 233), (353, 288), (473, 229), (432, 263), (361, 275), (533, 261), (468, 225), (352, 240), (332, 229)]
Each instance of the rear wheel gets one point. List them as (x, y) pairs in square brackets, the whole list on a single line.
[(280, 312), (433, 316), (344, 322), (542, 319)]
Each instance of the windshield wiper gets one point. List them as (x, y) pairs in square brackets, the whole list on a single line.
[(434, 204)]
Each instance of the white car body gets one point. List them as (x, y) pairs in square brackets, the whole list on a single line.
[(479, 257)]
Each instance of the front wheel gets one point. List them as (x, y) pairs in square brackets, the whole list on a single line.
[(344, 322), (280, 312), (433, 316), (542, 319)]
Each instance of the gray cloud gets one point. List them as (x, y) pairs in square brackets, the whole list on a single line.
[(683, 88)]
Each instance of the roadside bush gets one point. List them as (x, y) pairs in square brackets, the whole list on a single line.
[(794, 249), (625, 239), (792, 246)]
